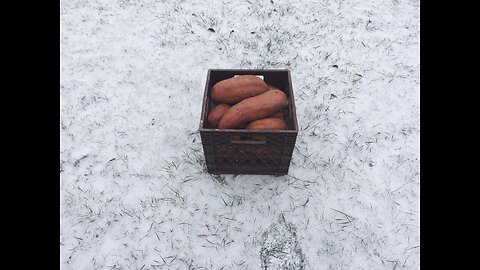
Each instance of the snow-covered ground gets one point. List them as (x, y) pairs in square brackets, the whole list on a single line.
[(134, 192)]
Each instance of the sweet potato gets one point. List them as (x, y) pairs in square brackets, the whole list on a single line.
[(254, 108), (217, 113), (269, 123), (280, 113), (235, 89)]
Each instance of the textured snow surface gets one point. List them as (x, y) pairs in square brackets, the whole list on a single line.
[(134, 191)]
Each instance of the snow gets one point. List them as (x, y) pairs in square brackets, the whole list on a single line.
[(134, 191)]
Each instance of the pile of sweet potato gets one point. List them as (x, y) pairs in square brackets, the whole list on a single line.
[(247, 102)]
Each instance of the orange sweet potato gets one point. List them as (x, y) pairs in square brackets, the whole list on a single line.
[(254, 108), (217, 113), (268, 123), (235, 89)]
